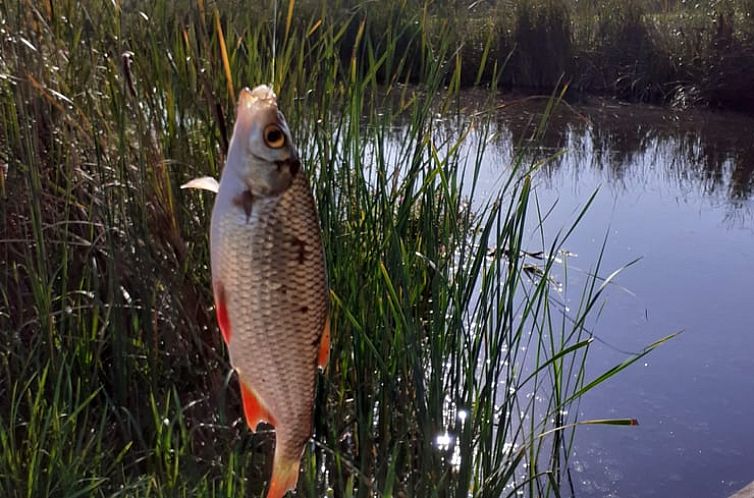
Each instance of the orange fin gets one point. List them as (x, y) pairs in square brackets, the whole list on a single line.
[(253, 409), (324, 346), (222, 311), (284, 474)]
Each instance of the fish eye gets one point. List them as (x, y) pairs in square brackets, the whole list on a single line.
[(274, 136)]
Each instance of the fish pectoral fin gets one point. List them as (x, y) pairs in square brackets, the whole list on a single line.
[(253, 408), (203, 183), (324, 346)]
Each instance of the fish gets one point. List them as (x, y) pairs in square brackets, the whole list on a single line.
[(269, 279)]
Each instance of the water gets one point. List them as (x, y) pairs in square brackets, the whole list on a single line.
[(675, 189)]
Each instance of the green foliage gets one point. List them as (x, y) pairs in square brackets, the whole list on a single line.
[(631, 62), (114, 379), (542, 40), (712, 46)]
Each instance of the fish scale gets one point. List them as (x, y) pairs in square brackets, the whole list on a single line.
[(269, 279), (272, 269)]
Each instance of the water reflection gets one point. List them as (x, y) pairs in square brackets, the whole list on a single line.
[(676, 191), (712, 153), (702, 152)]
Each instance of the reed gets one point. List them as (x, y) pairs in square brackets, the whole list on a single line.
[(114, 379), (678, 53)]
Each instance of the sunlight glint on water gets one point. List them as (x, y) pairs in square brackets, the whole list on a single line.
[(655, 171)]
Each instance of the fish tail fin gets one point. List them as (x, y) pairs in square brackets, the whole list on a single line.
[(284, 473)]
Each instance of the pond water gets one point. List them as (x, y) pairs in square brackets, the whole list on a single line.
[(675, 189)]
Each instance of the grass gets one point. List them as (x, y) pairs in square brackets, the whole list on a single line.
[(114, 380), (670, 52)]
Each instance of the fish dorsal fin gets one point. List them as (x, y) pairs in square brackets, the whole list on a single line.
[(203, 183)]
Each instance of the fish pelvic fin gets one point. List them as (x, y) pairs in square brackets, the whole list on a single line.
[(324, 346), (221, 308), (253, 408), (284, 473)]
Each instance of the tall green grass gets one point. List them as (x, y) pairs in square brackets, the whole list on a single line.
[(679, 53), (452, 371)]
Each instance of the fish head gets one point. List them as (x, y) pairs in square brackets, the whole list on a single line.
[(262, 153)]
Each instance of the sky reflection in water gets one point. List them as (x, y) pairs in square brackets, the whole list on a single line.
[(675, 191)]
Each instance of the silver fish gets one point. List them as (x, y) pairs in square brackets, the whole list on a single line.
[(269, 279)]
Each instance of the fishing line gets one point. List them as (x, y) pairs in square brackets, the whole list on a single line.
[(274, 42)]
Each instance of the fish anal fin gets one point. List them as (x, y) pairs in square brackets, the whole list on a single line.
[(284, 474), (222, 311), (253, 408), (324, 346)]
